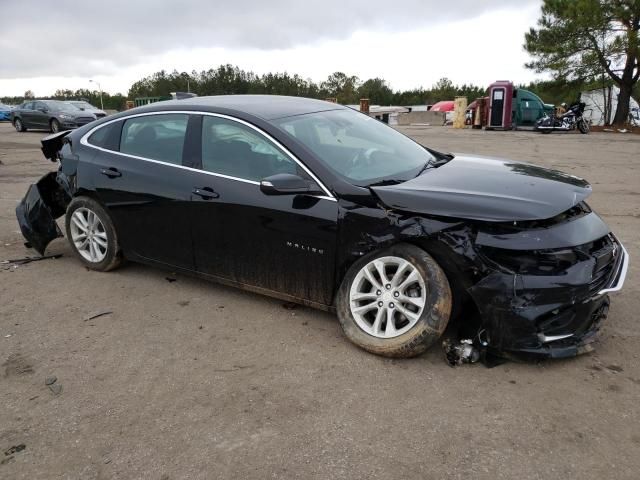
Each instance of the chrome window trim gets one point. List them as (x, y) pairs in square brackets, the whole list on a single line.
[(85, 141)]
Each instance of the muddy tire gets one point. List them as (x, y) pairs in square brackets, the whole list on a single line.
[(395, 302), (54, 125), (92, 235), (19, 126)]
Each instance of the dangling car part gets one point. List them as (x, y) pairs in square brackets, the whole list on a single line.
[(315, 203), (570, 120)]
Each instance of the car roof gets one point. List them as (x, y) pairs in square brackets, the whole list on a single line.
[(267, 107)]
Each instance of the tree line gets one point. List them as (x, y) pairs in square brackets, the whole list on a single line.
[(346, 89)]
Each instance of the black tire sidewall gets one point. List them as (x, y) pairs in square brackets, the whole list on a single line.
[(432, 322), (583, 127), (113, 256)]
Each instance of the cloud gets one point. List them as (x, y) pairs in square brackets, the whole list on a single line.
[(86, 38)]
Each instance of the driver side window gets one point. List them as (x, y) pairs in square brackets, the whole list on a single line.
[(233, 149)]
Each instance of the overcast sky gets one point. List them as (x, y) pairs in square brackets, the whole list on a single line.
[(410, 43)]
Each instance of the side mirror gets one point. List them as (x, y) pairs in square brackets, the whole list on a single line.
[(287, 184)]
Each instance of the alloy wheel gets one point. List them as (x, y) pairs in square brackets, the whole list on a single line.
[(89, 235), (387, 297), (18, 125)]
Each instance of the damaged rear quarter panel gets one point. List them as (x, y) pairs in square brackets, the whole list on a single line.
[(47, 200)]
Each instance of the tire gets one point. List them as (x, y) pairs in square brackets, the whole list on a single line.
[(104, 254), (583, 126), (19, 126), (411, 334), (54, 125)]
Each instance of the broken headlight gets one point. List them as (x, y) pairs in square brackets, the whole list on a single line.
[(532, 262)]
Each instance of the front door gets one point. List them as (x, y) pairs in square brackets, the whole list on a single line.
[(40, 115), (145, 188), (280, 243)]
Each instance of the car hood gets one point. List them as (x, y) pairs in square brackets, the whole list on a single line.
[(487, 189), (74, 113)]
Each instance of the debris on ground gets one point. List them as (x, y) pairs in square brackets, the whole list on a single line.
[(91, 316), (170, 279), (15, 449), (50, 380), (25, 260), (9, 453), (56, 388), (615, 368), (460, 352), (290, 305)]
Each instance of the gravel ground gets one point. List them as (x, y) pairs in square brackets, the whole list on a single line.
[(189, 379)]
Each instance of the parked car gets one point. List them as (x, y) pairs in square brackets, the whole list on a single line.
[(5, 112), (87, 107), (52, 115), (315, 203)]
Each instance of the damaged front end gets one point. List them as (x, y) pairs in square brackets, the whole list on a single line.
[(526, 289), (545, 293), (46, 200)]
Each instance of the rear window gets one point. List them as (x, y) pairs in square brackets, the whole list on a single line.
[(157, 137), (107, 137)]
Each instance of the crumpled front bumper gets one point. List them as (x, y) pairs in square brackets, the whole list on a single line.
[(37, 211), (551, 316)]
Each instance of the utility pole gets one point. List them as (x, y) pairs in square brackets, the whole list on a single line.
[(99, 88)]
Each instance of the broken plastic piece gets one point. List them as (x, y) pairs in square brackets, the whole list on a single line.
[(462, 352)]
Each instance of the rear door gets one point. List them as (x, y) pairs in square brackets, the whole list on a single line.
[(139, 175), (282, 243), (26, 114)]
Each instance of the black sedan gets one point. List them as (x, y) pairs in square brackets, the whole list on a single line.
[(52, 115), (316, 203)]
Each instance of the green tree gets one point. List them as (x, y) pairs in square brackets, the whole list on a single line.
[(586, 39), (377, 91), (444, 89), (342, 87)]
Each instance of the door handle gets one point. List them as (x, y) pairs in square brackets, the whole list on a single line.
[(206, 193), (111, 172)]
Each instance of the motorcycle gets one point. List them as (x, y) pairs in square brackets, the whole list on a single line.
[(570, 120)]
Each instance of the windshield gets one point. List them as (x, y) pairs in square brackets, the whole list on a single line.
[(358, 147), (57, 105), (84, 105)]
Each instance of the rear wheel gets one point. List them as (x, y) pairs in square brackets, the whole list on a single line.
[(92, 235), (19, 126), (55, 125), (395, 303)]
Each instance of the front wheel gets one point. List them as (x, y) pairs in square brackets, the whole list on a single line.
[(92, 235), (395, 303), (583, 126), (55, 126)]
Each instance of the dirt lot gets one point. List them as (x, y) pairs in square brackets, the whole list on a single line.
[(189, 379)]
